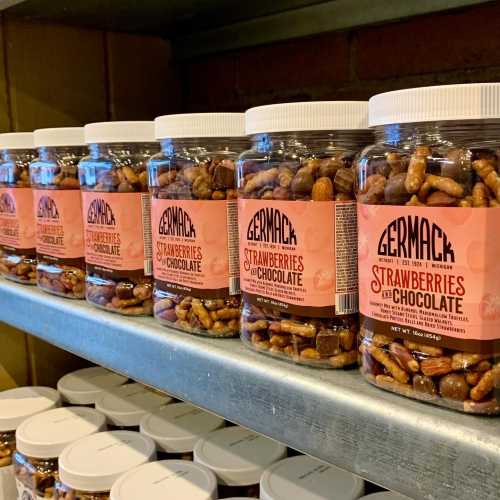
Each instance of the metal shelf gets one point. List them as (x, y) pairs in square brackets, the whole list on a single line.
[(416, 449)]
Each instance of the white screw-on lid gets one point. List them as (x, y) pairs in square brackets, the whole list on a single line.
[(307, 116), (17, 140), (237, 456), (167, 480), (64, 136), (385, 495), (200, 125), (16, 405), (95, 462), (126, 405), (177, 428), (82, 387), (476, 101), (309, 479), (46, 435), (104, 132)]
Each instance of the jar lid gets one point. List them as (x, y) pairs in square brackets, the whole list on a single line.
[(63, 136), (307, 116), (385, 495), (476, 101), (309, 479), (104, 132), (95, 462), (168, 479), (17, 140), (126, 405), (82, 387), (16, 405), (200, 125), (237, 456), (47, 434), (177, 428)]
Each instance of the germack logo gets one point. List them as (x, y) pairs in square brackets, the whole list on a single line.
[(100, 212), (7, 204), (271, 226), (175, 221), (47, 208), (414, 237)]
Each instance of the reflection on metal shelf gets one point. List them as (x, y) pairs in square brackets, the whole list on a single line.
[(421, 451)]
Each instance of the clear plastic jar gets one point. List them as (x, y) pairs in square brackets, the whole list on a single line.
[(58, 211), (176, 429), (40, 441), (17, 224), (89, 467), (238, 457), (167, 480), (116, 214), (195, 249), (297, 219), (429, 286)]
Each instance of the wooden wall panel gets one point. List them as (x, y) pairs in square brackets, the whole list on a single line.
[(56, 74), (14, 368)]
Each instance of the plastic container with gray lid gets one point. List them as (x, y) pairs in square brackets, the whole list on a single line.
[(125, 406), (16, 405), (168, 480), (238, 457), (176, 429), (89, 467), (83, 387), (309, 479), (40, 441)]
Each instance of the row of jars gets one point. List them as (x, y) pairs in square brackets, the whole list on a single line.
[(316, 205), (98, 437)]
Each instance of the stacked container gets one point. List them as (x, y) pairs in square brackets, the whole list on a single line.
[(58, 211), (17, 223), (116, 216), (297, 219), (428, 250), (195, 232)]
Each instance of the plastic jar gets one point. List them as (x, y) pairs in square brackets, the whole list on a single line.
[(168, 480), (194, 222), (58, 211), (238, 457), (309, 479), (83, 387), (16, 405), (176, 429), (89, 467), (40, 441), (297, 219), (429, 285), (126, 405), (17, 223), (116, 216)]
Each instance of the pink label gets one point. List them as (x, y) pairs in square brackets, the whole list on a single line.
[(190, 246), (17, 221), (431, 274), (117, 231), (299, 256), (59, 228)]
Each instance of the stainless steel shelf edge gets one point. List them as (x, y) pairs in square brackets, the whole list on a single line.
[(418, 450)]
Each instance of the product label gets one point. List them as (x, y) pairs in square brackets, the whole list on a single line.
[(59, 226), (299, 256), (431, 275), (117, 234), (24, 493), (17, 221), (192, 252)]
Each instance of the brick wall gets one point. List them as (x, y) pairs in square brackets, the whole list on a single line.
[(455, 47)]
